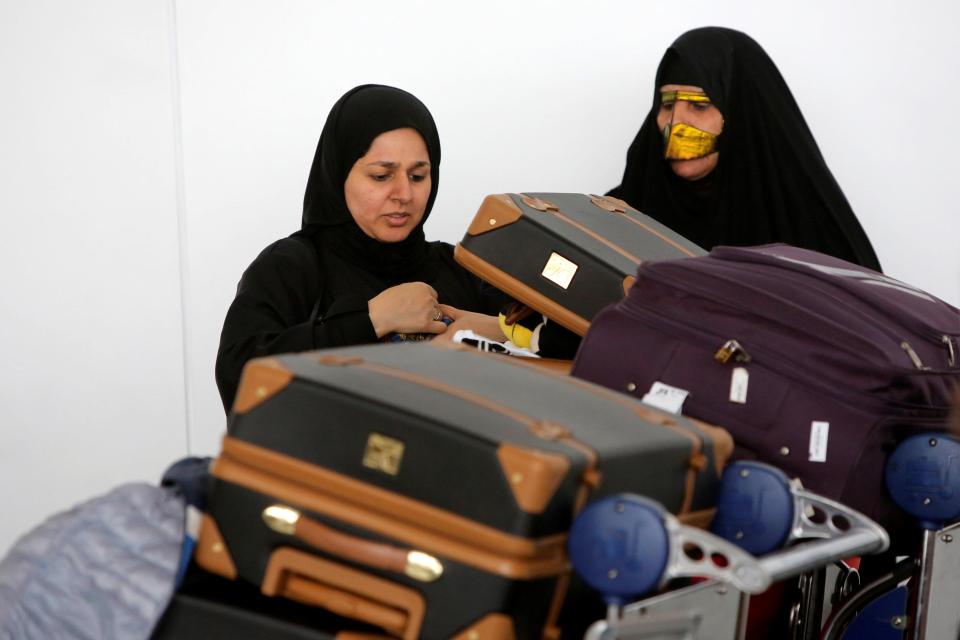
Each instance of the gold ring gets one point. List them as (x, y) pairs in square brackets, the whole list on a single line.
[(438, 316)]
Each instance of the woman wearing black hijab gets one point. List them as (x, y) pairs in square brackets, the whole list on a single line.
[(360, 269), (750, 174)]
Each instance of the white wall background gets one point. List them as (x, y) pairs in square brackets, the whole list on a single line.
[(150, 149)]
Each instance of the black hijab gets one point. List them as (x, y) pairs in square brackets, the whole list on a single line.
[(362, 114), (771, 183)]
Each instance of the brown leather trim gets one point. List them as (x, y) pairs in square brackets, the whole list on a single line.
[(589, 232), (627, 283), (335, 360), (722, 442), (695, 462), (590, 478), (623, 204), (354, 635), (451, 390), (551, 631), (388, 514), (495, 626), (537, 203), (533, 475), (679, 247), (495, 211), (261, 379), (305, 578), (516, 289), (608, 204), (654, 417), (211, 552), (336, 543)]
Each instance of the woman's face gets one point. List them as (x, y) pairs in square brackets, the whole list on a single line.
[(702, 115), (387, 189)]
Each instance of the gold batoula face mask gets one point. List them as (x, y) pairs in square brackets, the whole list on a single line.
[(683, 141)]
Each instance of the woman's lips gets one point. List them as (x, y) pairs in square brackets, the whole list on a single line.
[(397, 219)]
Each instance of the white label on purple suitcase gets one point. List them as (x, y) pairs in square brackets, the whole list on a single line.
[(819, 432), (666, 398), (739, 380)]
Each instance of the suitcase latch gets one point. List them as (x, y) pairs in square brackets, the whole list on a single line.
[(539, 204), (549, 430), (613, 205), (731, 349)]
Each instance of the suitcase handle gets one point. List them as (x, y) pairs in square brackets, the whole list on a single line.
[(302, 577), (414, 564)]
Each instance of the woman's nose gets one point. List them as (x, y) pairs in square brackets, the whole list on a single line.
[(682, 112), (403, 189)]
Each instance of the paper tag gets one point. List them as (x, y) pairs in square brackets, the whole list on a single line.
[(819, 432), (664, 397), (739, 380)]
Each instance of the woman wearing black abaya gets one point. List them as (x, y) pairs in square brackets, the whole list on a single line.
[(726, 157), (360, 268)]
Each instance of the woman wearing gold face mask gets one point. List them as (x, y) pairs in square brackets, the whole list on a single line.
[(725, 156)]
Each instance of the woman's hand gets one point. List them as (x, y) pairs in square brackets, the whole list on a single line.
[(484, 325), (406, 308)]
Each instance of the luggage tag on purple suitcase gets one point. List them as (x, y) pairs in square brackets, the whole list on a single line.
[(665, 397)]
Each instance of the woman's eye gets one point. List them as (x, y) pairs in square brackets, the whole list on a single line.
[(666, 106), (701, 106), (417, 177), (380, 177)]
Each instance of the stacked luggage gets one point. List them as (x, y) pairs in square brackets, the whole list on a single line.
[(814, 364), (565, 255), (780, 346), (430, 491)]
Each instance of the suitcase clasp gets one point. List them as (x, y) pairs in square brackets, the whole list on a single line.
[(539, 204), (608, 203)]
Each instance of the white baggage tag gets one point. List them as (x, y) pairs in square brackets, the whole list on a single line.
[(739, 380), (819, 432), (664, 397)]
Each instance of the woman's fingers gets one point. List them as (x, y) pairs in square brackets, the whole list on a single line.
[(451, 312)]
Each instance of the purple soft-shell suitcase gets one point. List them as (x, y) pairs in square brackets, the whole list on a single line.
[(814, 364)]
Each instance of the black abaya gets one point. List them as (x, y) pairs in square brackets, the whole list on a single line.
[(771, 183), (310, 290)]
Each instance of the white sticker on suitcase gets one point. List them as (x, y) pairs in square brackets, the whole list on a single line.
[(559, 270), (819, 432), (739, 380), (664, 397)]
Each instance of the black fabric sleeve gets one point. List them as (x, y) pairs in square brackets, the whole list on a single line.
[(347, 321), (272, 310), (492, 300)]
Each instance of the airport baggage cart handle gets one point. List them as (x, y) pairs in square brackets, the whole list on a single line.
[(841, 532), (626, 546)]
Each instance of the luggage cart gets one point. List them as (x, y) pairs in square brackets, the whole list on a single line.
[(917, 598), (625, 546)]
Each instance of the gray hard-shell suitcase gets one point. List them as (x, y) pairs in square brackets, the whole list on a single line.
[(565, 255), (475, 463)]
